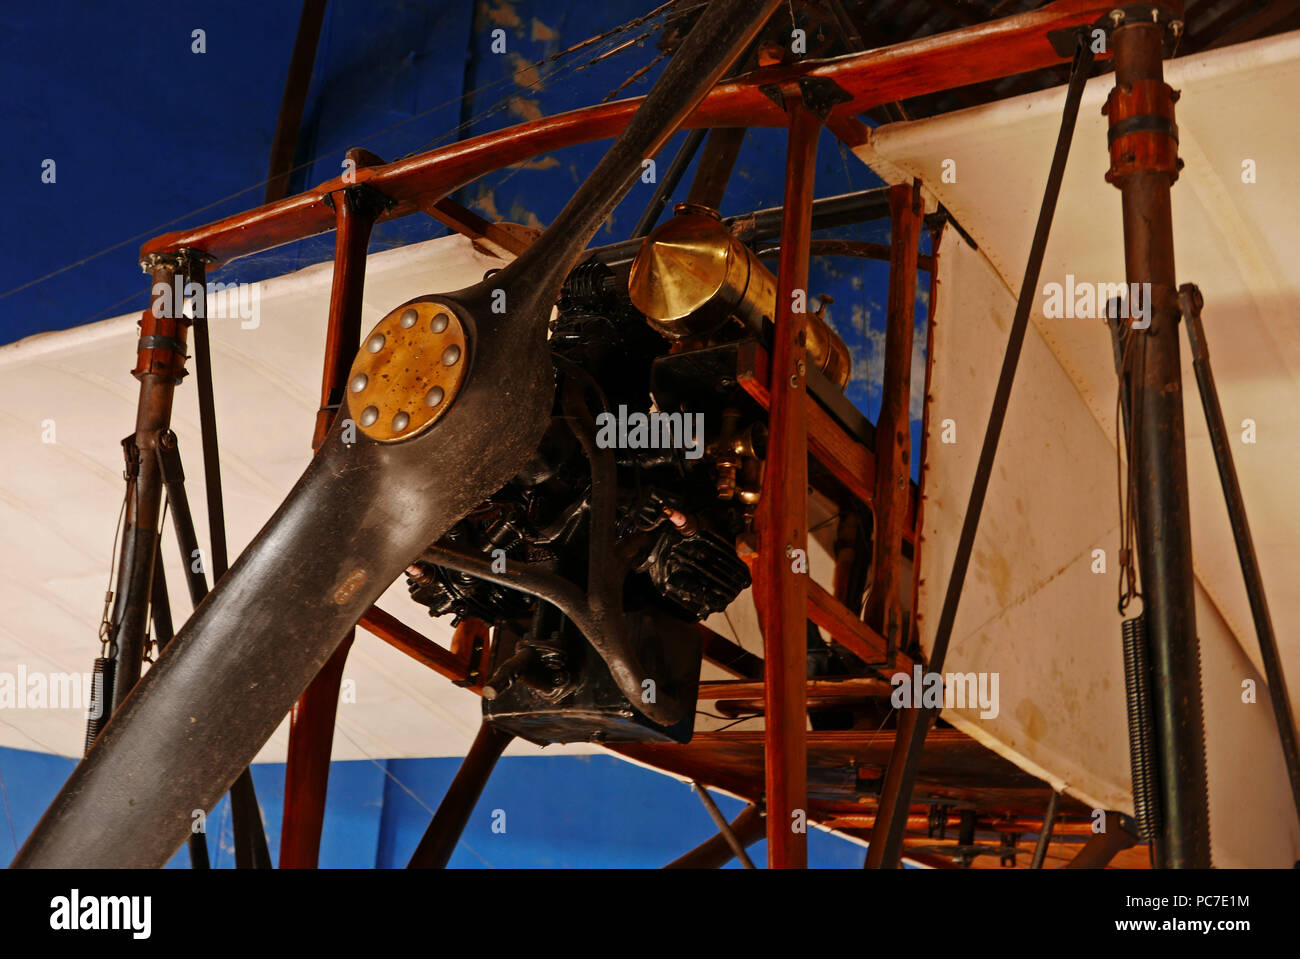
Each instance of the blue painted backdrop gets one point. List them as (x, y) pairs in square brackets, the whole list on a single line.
[(545, 812), (141, 134)]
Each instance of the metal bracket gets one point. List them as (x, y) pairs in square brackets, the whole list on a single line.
[(773, 92), (1066, 40), (819, 94), (181, 260), (131, 456), (1157, 13), (362, 199), (822, 94), (475, 662)]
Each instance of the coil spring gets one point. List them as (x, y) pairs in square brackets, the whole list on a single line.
[(1141, 727), (101, 698)]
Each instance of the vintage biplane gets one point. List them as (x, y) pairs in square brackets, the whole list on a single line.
[(629, 476)]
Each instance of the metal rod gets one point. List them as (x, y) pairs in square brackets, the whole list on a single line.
[(173, 478), (672, 176), (1190, 301), (854, 248), (783, 519), (709, 186), (828, 212), (896, 791), (208, 425), (715, 852), (161, 610), (159, 367), (1144, 166), (251, 851), (1045, 834), (724, 827), (444, 832)]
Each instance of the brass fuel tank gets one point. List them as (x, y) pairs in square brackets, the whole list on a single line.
[(691, 274)]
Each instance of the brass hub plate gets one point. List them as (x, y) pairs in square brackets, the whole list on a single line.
[(408, 371)]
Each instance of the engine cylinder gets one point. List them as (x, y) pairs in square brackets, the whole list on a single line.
[(692, 274)]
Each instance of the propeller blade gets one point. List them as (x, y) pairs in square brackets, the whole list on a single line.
[(381, 488)]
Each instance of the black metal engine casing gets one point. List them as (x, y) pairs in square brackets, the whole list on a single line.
[(594, 710)]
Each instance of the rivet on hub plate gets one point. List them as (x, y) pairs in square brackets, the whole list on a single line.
[(376, 343), (369, 415)]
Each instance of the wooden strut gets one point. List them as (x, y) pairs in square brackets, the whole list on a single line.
[(884, 611), (311, 722), (781, 592)]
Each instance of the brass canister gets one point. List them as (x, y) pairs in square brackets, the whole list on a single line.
[(691, 275)]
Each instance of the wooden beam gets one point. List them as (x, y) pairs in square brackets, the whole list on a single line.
[(884, 610), (781, 587), (491, 238), (400, 636), (732, 657), (837, 688), (849, 631), (849, 461)]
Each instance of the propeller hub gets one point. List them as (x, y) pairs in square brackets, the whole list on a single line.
[(408, 372)]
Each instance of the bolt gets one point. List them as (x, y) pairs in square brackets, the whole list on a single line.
[(369, 415), (451, 355), (1116, 17), (376, 343), (434, 396), (440, 321), (1176, 27), (408, 319), (400, 422), (359, 382)]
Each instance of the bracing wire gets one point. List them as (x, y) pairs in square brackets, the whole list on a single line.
[(497, 107)]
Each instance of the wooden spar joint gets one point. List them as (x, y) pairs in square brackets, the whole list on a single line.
[(1143, 135), (174, 298)]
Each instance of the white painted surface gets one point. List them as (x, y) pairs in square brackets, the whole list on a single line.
[(1032, 609), (59, 501)]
